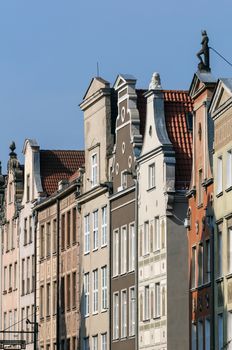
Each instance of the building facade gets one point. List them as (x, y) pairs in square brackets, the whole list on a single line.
[(221, 111), (200, 216)]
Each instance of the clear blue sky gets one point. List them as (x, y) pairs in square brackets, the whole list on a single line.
[(49, 50)]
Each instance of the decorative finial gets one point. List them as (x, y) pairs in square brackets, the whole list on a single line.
[(204, 64), (12, 146), (155, 82)]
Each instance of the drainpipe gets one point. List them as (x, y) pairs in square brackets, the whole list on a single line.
[(35, 214), (212, 288), (57, 274), (136, 263)]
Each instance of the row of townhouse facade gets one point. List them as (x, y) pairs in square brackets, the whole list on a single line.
[(127, 244)]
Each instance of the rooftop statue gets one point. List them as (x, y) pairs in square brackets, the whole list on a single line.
[(155, 82), (204, 63)]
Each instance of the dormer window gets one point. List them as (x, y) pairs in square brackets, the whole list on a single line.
[(123, 179), (28, 187), (94, 170)]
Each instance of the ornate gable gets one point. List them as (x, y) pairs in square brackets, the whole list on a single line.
[(95, 85), (222, 96), (201, 81)]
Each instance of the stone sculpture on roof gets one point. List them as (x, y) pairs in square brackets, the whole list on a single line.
[(155, 82), (204, 64)]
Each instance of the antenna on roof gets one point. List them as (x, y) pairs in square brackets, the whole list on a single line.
[(97, 69)]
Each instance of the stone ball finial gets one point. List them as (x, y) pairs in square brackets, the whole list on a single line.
[(155, 82), (12, 146)]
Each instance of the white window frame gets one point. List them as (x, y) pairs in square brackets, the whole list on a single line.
[(123, 313), (146, 312), (151, 176), (116, 315), (95, 291), (207, 333), (229, 169), (116, 252), (94, 170), (104, 227), (124, 179), (157, 296), (86, 234), (95, 342), (146, 238), (157, 240), (95, 230), (86, 295), (219, 174), (229, 249), (104, 341), (132, 311), (104, 288), (132, 246), (123, 250)]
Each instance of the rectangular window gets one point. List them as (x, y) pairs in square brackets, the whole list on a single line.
[(48, 298), (123, 314), (68, 291), (229, 169), (157, 300), (200, 334), (124, 179), (193, 268), (74, 289), (25, 231), (115, 252), (94, 177), (68, 216), (104, 227), (200, 180), (146, 238), (95, 229), (28, 275), (229, 249), (62, 294), (104, 341), (157, 234), (74, 343), (123, 250), (54, 299), (27, 324), (132, 247), (220, 331), (95, 342), (219, 251), (229, 330), (23, 277), (200, 264), (151, 175), (15, 276), (86, 294), (132, 311), (63, 231), (48, 236), (95, 291), (115, 315), (146, 303), (207, 261), (207, 333), (74, 225), (42, 242), (10, 277), (54, 238), (219, 175), (30, 229), (86, 343), (28, 188), (5, 278), (86, 235), (104, 287), (41, 301)]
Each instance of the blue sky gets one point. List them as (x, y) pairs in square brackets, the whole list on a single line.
[(49, 51)]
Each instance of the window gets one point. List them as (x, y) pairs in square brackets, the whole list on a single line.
[(200, 180), (5, 277), (30, 229), (28, 275), (74, 343), (86, 234), (48, 298), (42, 242), (207, 261), (132, 247), (151, 175), (74, 225), (10, 323), (229, 249), (124, 314), (157, 234), (132, 310), (207, 333), (10, 192), (220, 331), (68, 291), (86, 343), (194, 337), (115, 252), (95, 342), (62, 294), (157, 300), (94, 177), (74, 289), (25, 231), (48, 236), (115, 316), (28, 188), (86, 294), (54, 239), (104, 287), (95, 291), (123, 250), (41, 301), (23, 277), (104, 227), (219, 250), (146, 303), (95, 230), (146, 238), (229, 169), (229, 330), (200, 264), (200, 334), (10, 277), (104, 341), (15, 276), (5, 324), (193, 268), (124, 179), (54, 299), (219, 175), (62, 231), (68, 215)]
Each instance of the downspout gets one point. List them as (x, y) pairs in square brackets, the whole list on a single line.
[(110, 284), (136, 263), (35, 214), (57, 273), (213, 288)]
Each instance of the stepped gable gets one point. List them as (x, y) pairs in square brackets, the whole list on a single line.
[(56, 165), (177, 104)]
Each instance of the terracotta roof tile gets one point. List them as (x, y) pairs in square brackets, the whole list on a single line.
[(57, 165)]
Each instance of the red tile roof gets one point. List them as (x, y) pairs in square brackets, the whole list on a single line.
[(177, 104), (58, 165)]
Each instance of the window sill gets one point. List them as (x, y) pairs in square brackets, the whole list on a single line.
[(10, 290), (146, 255), (4, 292), (199, 206), (68, 246), (228, 275), (95, 249), (219, 279), (86, 316), (95, 313), (157, 317), (104, 245), (151, 188), (229, 189), (87, 253), (48, 317), (146, 320), (219, 194), (104, 310)]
